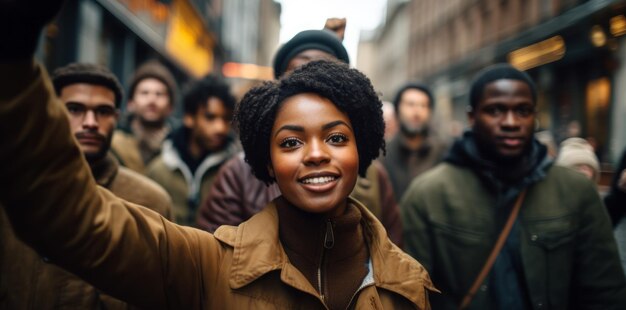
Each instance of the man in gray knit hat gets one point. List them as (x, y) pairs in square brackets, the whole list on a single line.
[(151, 100)]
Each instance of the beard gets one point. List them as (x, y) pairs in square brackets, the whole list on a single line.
[(102, 152), (413, 130)]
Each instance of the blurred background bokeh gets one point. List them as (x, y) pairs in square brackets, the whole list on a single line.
[(574, 49)]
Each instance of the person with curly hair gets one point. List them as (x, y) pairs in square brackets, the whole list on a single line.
[(193, 153), (314, 247), (236, 195)]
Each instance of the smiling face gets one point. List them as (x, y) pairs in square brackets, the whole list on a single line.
[(503, 120), (313, 152)]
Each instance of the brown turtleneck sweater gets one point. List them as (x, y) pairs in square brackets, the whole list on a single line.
[(334, 246)]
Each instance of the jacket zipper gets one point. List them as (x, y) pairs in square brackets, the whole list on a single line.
[(329, 242)]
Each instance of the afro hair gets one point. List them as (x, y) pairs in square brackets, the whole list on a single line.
[(198, 93), (348, 89)]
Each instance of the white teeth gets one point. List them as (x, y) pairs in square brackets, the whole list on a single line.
[(319, 180)]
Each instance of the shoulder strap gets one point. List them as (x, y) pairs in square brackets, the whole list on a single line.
[(494, 252)]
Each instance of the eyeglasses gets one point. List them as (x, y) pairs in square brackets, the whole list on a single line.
[(100, 112)]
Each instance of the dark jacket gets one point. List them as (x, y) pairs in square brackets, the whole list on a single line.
[(236, 195), (562, 252), (404, 164), (134, 253), (29, 281), (615, 201)]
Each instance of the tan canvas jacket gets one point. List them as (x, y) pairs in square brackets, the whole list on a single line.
[(30, 281)]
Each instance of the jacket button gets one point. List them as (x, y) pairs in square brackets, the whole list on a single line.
[(534, 238)]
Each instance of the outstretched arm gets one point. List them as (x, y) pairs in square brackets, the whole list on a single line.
[(55, 206)]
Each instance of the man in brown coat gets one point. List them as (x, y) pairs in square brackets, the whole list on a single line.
[(91, 95)]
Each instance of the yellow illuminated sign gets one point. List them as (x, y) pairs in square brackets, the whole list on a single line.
[(247, 71), (188, 41), (618, 25), (538, 54)]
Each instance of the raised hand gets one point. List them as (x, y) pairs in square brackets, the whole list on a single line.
[(21, 22)]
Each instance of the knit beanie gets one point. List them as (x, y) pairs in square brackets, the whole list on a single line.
[(577, 151), (501, 71), (155, 70), (322, 40), (87, 73)]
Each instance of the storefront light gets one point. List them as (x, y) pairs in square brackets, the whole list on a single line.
[(598, 38), (618, 25), (538, 54), (247, 71)]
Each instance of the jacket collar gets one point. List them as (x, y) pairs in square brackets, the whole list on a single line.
[(173, 161), (104, 170), (258, 251)]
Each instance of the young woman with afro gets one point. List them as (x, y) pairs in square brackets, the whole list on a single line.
[(314, 247)]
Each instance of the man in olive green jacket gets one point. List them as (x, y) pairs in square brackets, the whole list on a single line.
[(560, 253)]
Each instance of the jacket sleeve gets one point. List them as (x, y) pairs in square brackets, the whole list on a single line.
[(417, 239), (224, 203), (55, 206), (390, 210), (598, 278), (615, 201)]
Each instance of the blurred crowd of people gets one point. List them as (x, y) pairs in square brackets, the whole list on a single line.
[(500, 217)]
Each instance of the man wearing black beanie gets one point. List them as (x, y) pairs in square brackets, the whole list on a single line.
[(236, 195), (498, 226)]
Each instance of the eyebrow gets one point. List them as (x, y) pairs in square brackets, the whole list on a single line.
[(100, 104), (301, 129), (334, 124)]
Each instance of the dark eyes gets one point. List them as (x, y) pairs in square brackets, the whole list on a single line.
[(213, 117), (334, 139), (498, 110), (337, 138), (80, 110), (290, 143)]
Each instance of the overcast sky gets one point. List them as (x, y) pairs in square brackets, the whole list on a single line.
[(298, 15)]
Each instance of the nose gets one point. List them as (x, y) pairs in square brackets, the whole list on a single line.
[(89, 120), (510, 121), (316, 153)]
